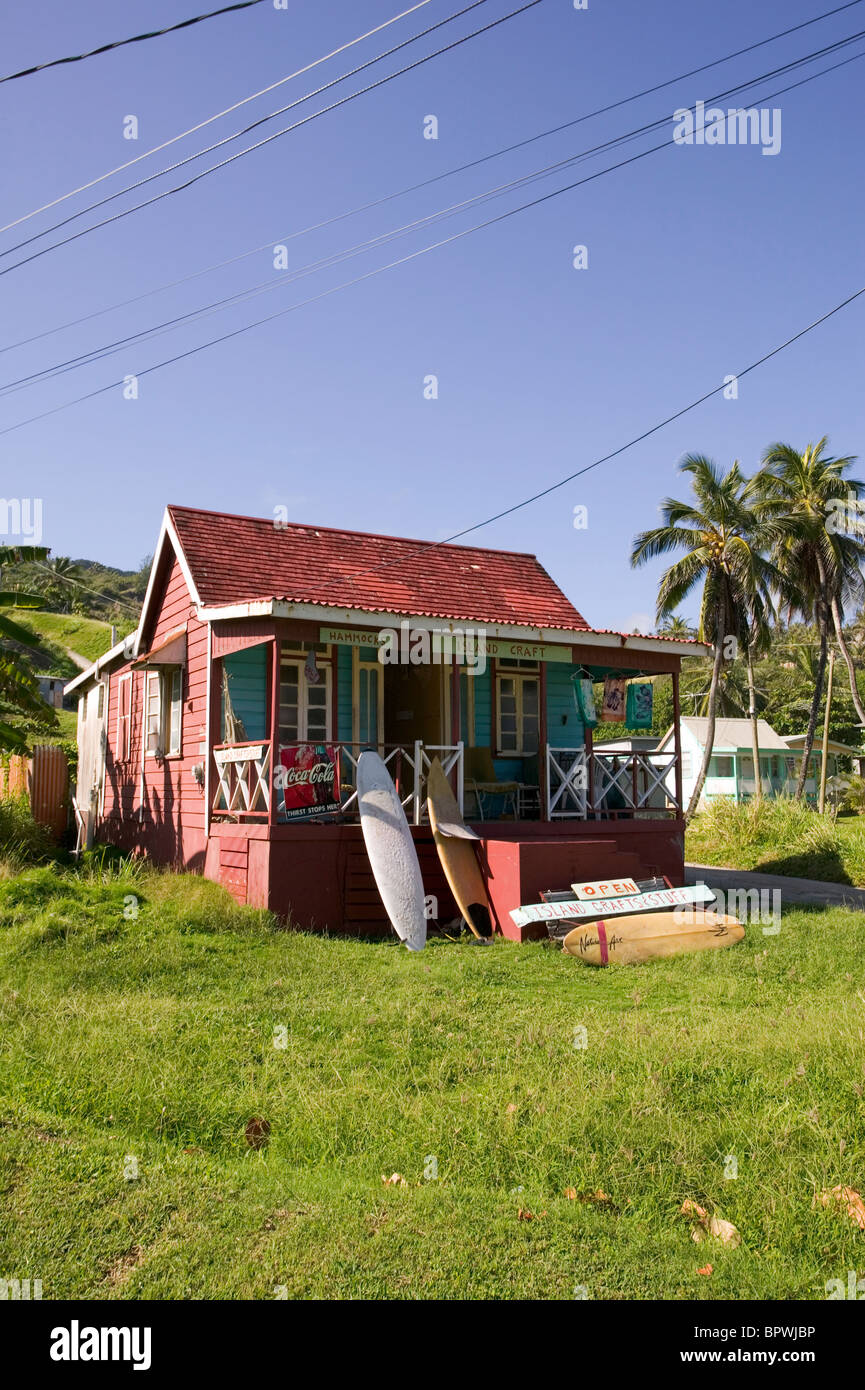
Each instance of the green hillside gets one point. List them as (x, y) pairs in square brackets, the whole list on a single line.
[(60, 633)]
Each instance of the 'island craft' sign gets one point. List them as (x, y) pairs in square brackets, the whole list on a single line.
[(526, 651), (611, 907)]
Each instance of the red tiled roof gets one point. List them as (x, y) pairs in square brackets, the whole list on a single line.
[(238, 559)]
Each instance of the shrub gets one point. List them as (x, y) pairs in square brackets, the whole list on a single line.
[(777, 834), (852, 801), (23, 840)]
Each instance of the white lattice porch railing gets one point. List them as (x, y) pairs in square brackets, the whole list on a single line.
[(450, 755), (567, 783), (644, 780), (408, 765), (398, 759), (243, 779), (607, 784)]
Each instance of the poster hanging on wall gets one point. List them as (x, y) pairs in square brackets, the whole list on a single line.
[(308, 777)]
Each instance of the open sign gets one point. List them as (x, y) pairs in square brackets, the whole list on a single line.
[(606, 888)]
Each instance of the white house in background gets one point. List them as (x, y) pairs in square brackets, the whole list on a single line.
[(731, 767)]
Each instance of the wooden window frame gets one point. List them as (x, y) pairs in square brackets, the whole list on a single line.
[(165, 677), (325, 668), (123, 736), (518, 674)]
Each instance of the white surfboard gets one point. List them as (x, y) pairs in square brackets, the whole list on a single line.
[(391, 850)]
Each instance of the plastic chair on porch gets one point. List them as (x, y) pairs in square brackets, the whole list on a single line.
[(481, 781)]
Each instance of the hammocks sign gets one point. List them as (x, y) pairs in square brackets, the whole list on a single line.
[(308, 780)]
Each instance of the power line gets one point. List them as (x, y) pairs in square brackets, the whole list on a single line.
[(419, 5), (638, 439), (280, 313), (457, 236), (424, 183), (221, 164), (96, 354), (138, 38)]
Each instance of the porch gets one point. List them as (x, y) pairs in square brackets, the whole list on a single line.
[(292, 707), (579, 783)]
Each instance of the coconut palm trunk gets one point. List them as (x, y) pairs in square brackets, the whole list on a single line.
[(752, 715), (837, 623), (717, 666), (815, 701)]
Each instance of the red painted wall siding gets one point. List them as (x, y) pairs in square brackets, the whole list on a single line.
[(167, 821)]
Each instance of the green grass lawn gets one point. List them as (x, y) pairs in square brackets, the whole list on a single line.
[(140, 1035)]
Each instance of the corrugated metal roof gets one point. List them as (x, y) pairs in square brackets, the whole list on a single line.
[(733, 734)]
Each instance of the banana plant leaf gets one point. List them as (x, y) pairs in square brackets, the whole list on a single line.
[(23, 554), (11, 739), (11, 598)]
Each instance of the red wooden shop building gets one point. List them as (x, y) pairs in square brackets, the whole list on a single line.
[(223, 735)]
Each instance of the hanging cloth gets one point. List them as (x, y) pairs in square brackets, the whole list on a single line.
[(584, 699), (310, 670), (638, 714), (613, 708)]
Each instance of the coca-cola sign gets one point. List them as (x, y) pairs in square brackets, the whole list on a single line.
[(307, 780)]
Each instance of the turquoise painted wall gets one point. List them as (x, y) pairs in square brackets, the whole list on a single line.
[(560, 703), (343, 693), (247, 672), (247, 684), (564, 726)]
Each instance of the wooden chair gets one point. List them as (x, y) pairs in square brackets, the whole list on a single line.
[(481, 781)]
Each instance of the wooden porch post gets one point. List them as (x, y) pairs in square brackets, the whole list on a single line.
[(677, 742), (273, 683), (542, 739), (215, 731), (455, 700)]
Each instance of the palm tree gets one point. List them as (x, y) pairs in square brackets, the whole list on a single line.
[(19, 690), (723, 543), (59, 581), (800, 493), (674, 625), (696, 680)]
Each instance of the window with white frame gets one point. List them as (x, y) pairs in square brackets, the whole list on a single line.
[(163, 711), (305, 694), (124, 718), (517, 707)]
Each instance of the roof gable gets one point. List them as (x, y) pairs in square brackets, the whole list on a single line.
[(731, 735), (237, 559)]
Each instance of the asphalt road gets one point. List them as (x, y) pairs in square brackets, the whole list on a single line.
[(793, 890)]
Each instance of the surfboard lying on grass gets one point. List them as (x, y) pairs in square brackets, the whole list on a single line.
[(453, 841), (632, 940), (391, 850), (586, 910)]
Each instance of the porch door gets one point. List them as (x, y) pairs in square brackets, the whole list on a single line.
[(368, 702), (304, 708), (92, 743), (416, 704)]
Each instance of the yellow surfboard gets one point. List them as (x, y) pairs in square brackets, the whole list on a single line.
[(454, 843), (647, 936)]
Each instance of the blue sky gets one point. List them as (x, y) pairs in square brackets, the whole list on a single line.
[(699, 260)]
